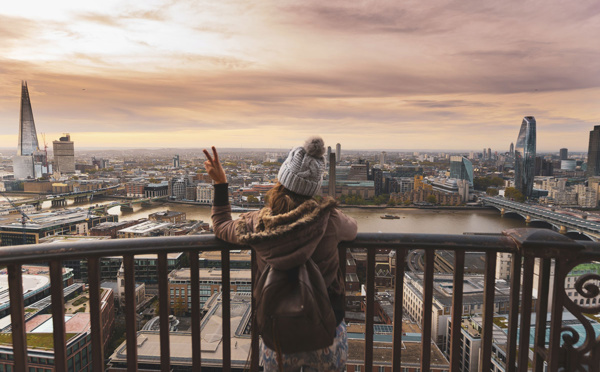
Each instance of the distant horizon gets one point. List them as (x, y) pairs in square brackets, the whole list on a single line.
[(267, 149)]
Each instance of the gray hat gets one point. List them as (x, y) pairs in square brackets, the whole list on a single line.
[(302, 171)]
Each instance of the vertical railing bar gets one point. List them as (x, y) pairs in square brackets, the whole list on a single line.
[(513, 316), (457, 308), (488, 311), (58, 315), (196, 324), (557, 312), (130, 313), (398, 308), (369, 309), (17, 316), (226, 308), (254, 352), (542, 314), (525, 325), (427, 309), (163, 308), (96, 314)]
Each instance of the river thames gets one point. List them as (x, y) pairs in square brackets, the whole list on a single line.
[(432, 221)]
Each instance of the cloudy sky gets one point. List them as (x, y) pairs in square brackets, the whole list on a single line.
[(368, 74)]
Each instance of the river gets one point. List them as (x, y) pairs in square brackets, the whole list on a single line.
[(412, 220)]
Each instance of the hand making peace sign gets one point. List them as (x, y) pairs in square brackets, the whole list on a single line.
[(214, 168)]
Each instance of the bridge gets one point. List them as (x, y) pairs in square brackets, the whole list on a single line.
[(127, 205), (61, 199), (569, 225)]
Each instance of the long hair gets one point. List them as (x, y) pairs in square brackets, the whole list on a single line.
[(282, 200)]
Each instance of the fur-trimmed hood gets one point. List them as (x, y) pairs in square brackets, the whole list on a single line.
[(286, 240)]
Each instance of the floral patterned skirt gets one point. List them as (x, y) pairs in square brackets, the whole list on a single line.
[(332, 358)]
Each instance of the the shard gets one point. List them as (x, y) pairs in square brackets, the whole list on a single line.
[(29, 162), (525, 156)]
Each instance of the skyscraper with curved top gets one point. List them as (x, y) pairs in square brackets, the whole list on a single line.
[(525, 156), (24, 162)]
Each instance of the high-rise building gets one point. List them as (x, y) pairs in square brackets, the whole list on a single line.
[(64, 154), (564, 154), (328, 153), (176, 161), (338, 153), (511, 151), (525, 156), (382, 157), (29, 162), (484, 154), (593, 165), (461, 168), (489, 154)]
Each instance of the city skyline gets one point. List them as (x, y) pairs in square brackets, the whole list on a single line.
[(370, 76)]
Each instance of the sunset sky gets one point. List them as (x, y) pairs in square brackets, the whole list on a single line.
[(368, 74)]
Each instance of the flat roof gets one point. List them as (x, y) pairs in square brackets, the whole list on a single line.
[(211, 273), (31, 283), (145, 227)]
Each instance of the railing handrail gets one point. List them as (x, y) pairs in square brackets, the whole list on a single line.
[(175, 244)]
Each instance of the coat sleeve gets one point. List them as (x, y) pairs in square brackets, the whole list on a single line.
[(346, 226), (224, 227)]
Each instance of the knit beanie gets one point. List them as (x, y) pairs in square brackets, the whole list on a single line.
[(302, 171)]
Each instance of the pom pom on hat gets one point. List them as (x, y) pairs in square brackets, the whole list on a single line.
[(315, 147)]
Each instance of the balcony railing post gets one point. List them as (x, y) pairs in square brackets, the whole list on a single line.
[(457, 309), (427, 310), (488, 311), (226, 308), (17, 316), (398, 308), (58, 315), (539, 348), (164, 300), (254, 352), (130, 313), (96, 314), (526, 299), (196, 324), (370, 309), (554, 352), (513, 316)]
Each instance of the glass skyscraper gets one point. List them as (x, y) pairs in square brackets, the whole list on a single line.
[(525, 156), (593, 165), (461, 168)]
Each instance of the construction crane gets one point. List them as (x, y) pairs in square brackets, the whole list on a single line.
[(24, 216)]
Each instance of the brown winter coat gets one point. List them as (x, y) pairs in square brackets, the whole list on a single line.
[(311, 230)]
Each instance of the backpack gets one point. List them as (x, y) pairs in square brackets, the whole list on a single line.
[(293, 310)]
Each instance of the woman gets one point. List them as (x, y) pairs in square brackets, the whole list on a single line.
[(292, 228)]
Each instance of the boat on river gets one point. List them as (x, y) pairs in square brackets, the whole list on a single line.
[(390, 217)]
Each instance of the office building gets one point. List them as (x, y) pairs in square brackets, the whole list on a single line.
[(29, 161), (62, 222), (328, 153), (489, 153), (564, 154), (64, 154), (525, 156), (204, 193), (210, 284), (148, 341), (593, 165), (338, 153), (511, 150), (382, 157), (176, 163), (461, 168)]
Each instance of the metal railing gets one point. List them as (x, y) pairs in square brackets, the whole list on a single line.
[(525, 246)]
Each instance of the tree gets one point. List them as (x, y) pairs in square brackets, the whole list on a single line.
[(179, 308), (381, 199), (431, 199), (491, 191), (513, 193), (407, 203), (252, 199)]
